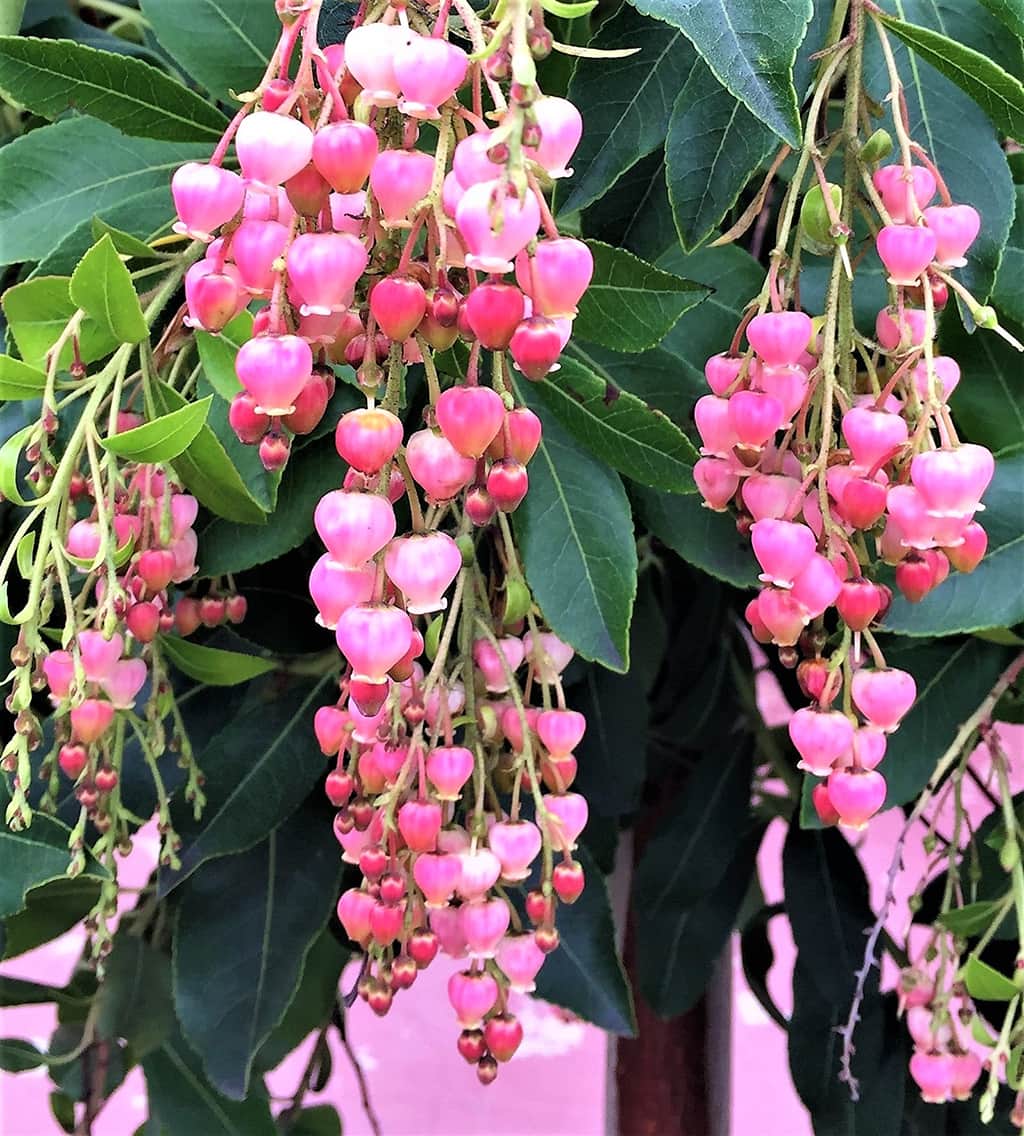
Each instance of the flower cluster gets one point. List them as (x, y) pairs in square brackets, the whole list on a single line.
[(838, 467), (384, 223)]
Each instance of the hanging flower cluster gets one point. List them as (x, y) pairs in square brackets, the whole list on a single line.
[(384, 223)]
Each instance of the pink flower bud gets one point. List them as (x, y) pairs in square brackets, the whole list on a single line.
[(869, 745), (470, 417), (721, 371), (398, 304), (947, 377), (419, 822), (368, 438)]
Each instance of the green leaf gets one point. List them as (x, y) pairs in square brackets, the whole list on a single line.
[(18, 380), (625, 103), (1000, 95), (11, 12), (33, 857), (185, 1104), (585, 975), (970, 920), (217, 354), (568, 11), (321, 1120), (40, 202), (987, 405), (261, 766), (713, 148), (620, 429), (631, 305), (575, 532), (1011, 12), (750, 46), (22, 992), (991, 595), (102, 287), (50, 910), (959, 138), (38, 310), (698, 535), (1008, 295), (224, 44), (237, 965), (48, 77), (212, 665), (986, 983), (163, 438), (18, 1056), (638, 214), (206, 469), (125, 243), (134, 1000)]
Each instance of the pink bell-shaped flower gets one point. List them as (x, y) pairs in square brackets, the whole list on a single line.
[(336, 587), (786, 384), (354, 526), (437, 466), (780, 338), (856, 795), (535, 347), (909, 512), (348, 212), (470, 417), (399, 179), (755, 417), (910, 330), (422, 566), (561, 731), (488, 661), (428, 71), (59, 669), (124, 682), (370, 53), (472, 996), (99, 655), (274, 369), (448, 769), (883, 696), (470, 163), (955, 228), (874, 436), (947, 377), (324, 268), (493, 312), (480, 871), (254, 248), (368, 438), (904, 199), (214, 296), (556, 276), (495, 226), (437, 877), (721, 371), (783, 549), (714, 425), (817, 586), (484, 924), (344, 153), (205, 197), (769, 495), (561, 128), (823, 738), (906, 251), (520, 960), (517, 845), (547, 654), (567, 818), (717, 482), (272, 148), (952, 482), (373, 637)]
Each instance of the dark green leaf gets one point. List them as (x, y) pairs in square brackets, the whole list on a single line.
[(50, 910), (620, 429), (637, 216), (33, 857), (259, 768), (631, 305), (1011, 12), (1000, 95), (161, 439), (18, 1056), (224, 44), (37, 312), (260, 484), (212, 665), (321, 1120), (18, 380), (237, 965), (970, 920), (698, 535), (986, 983), (187, 1105), (22, 992), (714, 146), (750, 45), (217, 354), (1008, 295), (49, 77), (576, 535), (40, 202), (63, 1109), (987, 405), (134, 1000), (991, 595), (102, 287), (625, 102)]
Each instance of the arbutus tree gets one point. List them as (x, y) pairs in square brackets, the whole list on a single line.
[(426, 429)]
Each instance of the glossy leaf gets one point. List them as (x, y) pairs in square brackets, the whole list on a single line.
[(224, 44), (237, 965), (206, 469), (986, 983), (37, 311), (125, 243), (134, 1000), (212, 665), (987, 406), (161, 439), (19, 1056), (1008, 296), (260, 767), (991, 595), (576, 537), (620, 429), (49, 77), (40, 203), (217, 354), (50, 910), (750, 45), (18, 380), (1011, 12), (102, 287), (625, 103), (638, 214), (1000, 95), (631, 305), (713, 148)]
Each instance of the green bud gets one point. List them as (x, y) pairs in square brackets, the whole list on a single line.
[(985, 317), (814, 218), (1009, 855), (433, 637), (518, 600), (877, 148)]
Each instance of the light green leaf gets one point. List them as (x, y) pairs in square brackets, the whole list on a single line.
[(212, 665), (986, 983), (51, 76), (18, 380), (631, 305), (163, 438), (102, 287), (620, 428), (125, 243), (11, 12), (10, 458), (37, 312), (217, 354)]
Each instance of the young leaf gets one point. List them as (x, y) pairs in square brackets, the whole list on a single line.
[(626, 102), (40, 202), (37, 312), (620, 429), (576, 536), (163, 438), (102, 287), (50, 76), (217, 354), (224, 45), (985, 982), (631, 305), (212, 665), (125, 243), (750, 45), (18, 380), (999, 94), (285, 888)]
